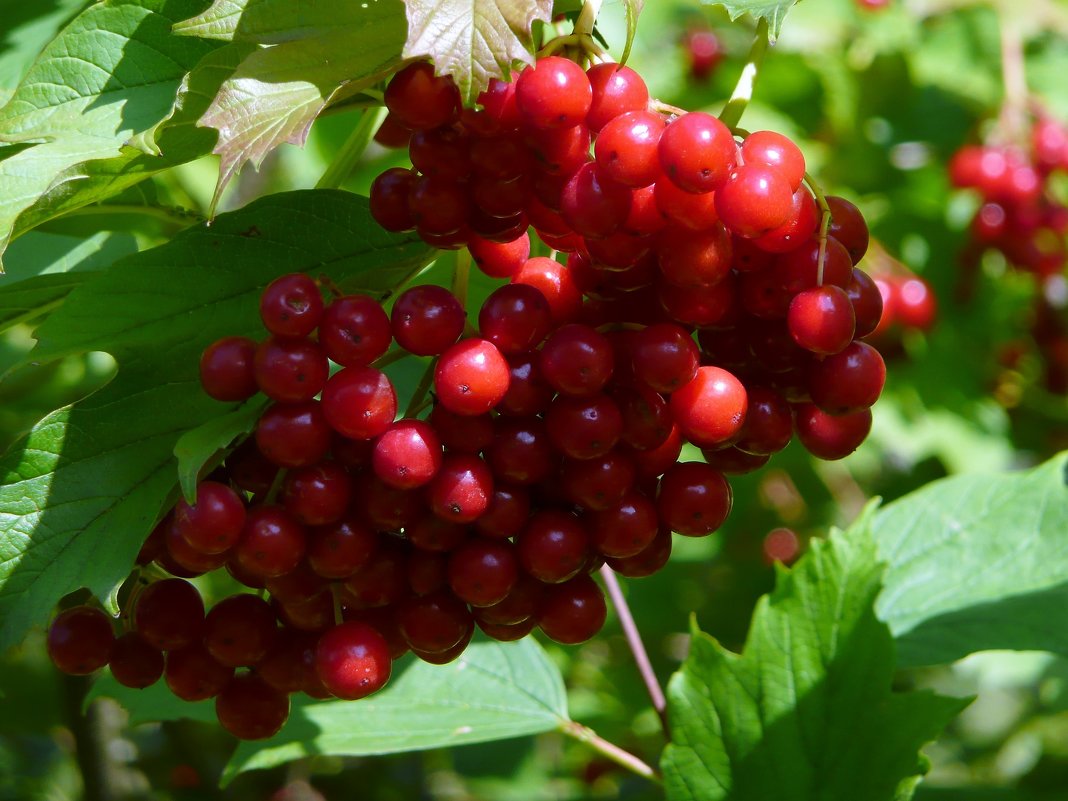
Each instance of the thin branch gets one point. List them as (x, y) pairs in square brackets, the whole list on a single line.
[(637, 647), (416, 403), (743, 90), (610, 750), (825, 224)]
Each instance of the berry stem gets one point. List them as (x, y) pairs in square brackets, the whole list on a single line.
[(825, 223), (416, 403), (609, 750), (349, 154), (587, 17), (461, 275), (394, 355), (637, 647), (335, 594), (743, 90), (275, 488)]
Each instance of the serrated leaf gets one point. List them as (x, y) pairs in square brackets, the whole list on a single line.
[(80, 494), (774, 11), (217, 22), (179, 140), (805, 712), (274, 21), (277, 92), (196, 447), (28, 28), (494, 691), (977, 562), (632, 9), (105, 82), (473, 40)]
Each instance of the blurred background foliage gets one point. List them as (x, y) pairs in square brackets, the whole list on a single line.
[(879, 100)]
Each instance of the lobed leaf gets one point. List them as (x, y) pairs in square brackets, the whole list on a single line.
[(196, 447), (806, 711), (106, 81), (79, 495), (474, 40), (774, 11), (977, 562)]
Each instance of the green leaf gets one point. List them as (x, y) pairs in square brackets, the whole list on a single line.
[(81, 493), (28, 28), (774, 11), (474, 40), (806, 711), (108, 80), (277, 92), (632, 9), (218, 22), (195, 448), (179, 140), (493, 692), (977, 562)]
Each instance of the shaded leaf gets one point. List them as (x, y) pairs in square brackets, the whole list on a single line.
[(806, 710), (106, 81), (28, 28), (277, 92), (473, 40), (195, 448), (217, 22), (80, 494), (977, 562)]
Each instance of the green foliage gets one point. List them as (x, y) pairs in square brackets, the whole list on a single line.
[(82, 492), (632, 8), (308, 58), (806, 710), (977, 562), (473, 40), (129, 69), (774, 11), (197, 447)]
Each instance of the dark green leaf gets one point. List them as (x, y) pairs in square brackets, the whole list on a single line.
[(493, 692), (80, 494), (774, 11), (277, 92), (473, 40), (806, 711), (108, 80), (977, 562), (195, 448), (28, 28)]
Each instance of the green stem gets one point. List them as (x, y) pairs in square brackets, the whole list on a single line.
[(587, 17), (743, 90), (415, 405), (346, 159), (398, 287), (825, 224), (461, 276), (612, 751)]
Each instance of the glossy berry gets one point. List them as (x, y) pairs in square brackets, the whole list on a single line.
[(584, 428), (420, 100), (339, 550), (427, 319), (318, 494), (433, 623), (821, 319), (776, 151), (353, 660), (239, 630), (291, 306), (355, 330), (407, 454), (213, 523), (471, 377), (251, 709), (483, 571), (389, 199), (711, 408), (616, 90), (359, 402), (847, 381), (691, 259), (848, 227), (665, 357), (693, 499), (226, 371), (573, 612), (556, 283), (293, 434), (627, 148), (499, 259), (626, 528), (553, 93), (830, 437), (290, 370), (515, 318), (592, 203), (80, 640), (756, 199), (272, 543), (553, 547), (697, 152), (462, 489), (576, 360), (193, 674)]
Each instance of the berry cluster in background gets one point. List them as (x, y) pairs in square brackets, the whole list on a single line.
[(707, 298), (1022, 218)]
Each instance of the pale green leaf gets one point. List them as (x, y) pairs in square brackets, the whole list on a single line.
[(196, 447), (217, 22), (977, 562), (79, 496), (774, 11), (28, 28), (632, 8), (473, 40), (105, 82), (806, 711)]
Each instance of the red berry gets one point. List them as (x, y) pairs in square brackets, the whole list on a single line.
[(698, 152), (830, 437), (239, 630), (665, 357), (757, 199), (293, 434), (593, 204), (251, 709), (359, 402), (213, 523), (134, 662), (778, 152), (427, 319), (272, 543), (573, 612), (616, 90), (553, 93), (695, 258), (193, 674), (339, 550), (553, 547), (847, 381), (471, 377), (482, 571), (169, 614), (318, 494), (515, 318), (291, 306), (462, 489), (407, 454), (80, 640), (419, 99), (226, 371), (433, 623), (353, 660), (693, 499), (290, 370), (821, 319), (627, 148), (576, 360), (389, 199), (355, 331), (711, 408)]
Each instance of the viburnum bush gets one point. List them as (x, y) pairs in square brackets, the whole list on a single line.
[(388, 470)]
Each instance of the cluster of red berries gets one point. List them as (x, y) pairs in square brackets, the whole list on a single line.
[(1021, 218), (552, 446), (909, 302)]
